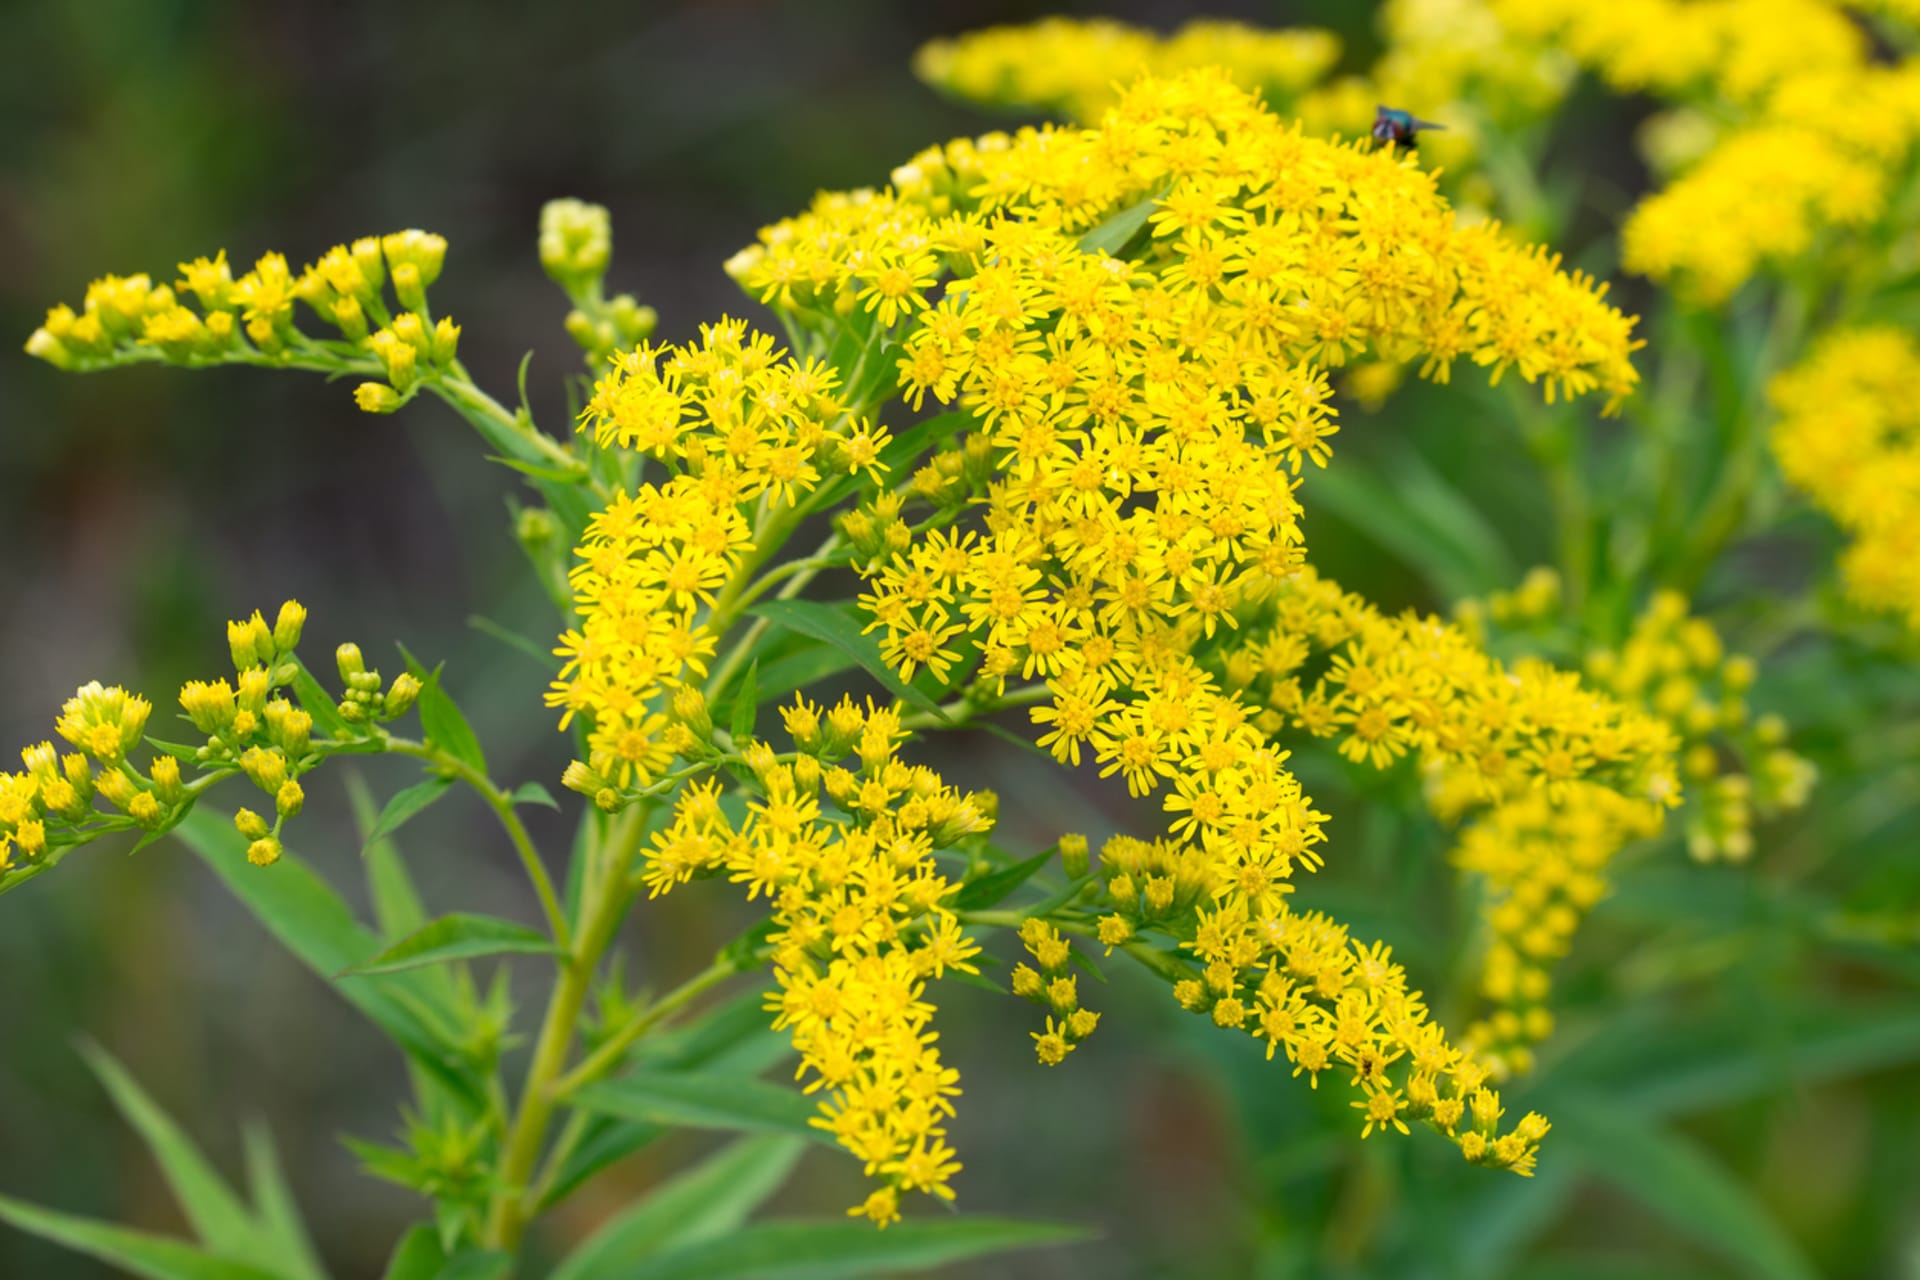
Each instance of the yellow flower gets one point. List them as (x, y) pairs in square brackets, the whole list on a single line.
[(1849, 436)]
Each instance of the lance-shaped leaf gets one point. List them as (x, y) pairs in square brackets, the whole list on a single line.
[(705, 1202), (834, 625), (135, 1252), (218, 1216), (404, 805), (704, 1102), (300, 910), (457, 937), (840, 1250)]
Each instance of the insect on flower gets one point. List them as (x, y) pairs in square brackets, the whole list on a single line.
[(1398, 128)]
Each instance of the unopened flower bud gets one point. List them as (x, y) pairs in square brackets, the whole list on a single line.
[(348, 659), (401, 694), (165, 774), (264, 852), (1074, 858), (250, 824), (576, 243), (286, 626), (376, 397), (289, 799)]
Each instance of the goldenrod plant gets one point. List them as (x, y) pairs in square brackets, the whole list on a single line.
[(1031, 437)]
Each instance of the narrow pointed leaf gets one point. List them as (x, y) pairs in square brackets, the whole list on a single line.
[(534, 793), (709, 1200), (216, 1214), (135, 1252), (514, 640), (704, 1102), (418, 1255), (746, 704), (995, 886), (446, 727), (458, 937), (397, 908), (834, 625), (477, 1264), (316, 701), (1113, 235), (838, 1249), (404, 805), (300, 910), (278, 1216), (1678, 1182)]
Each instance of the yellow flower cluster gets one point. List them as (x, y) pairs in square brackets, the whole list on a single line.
[(1545, 865), (1297, 982), (1565, 769), (1819, 130), (1451, 61), (209, 317), (1136, 321), (49, 808), (1263, 250), (859, 926), (742, 428), (1409, 685), (1849, 435), (1076, 67), (1741, 49), (1053, 987)]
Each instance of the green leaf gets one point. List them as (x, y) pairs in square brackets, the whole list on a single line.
[(214, 1212), (136, 1252), (533, 793), (298, 908), (446, 727), (1113, 235), (477, 1264), (278, 1216), (1460, 557), (794, 671), (397, 908), (403, 806), (506, 635), (1729, 1060), (978, 894), (837, 1249), (459, 936), (710, 1200), (317, 702), (746, 705), (178, 750), (555, 475), (418, 1256), (732, 1040), (834, 625), (704, 1102), (1678, 1182)]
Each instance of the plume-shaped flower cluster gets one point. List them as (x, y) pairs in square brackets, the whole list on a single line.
[(1849, 434), (1819, 129), (840, 841), (1075, 67)]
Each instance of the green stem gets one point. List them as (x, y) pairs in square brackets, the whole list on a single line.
[(502, 805), (602, 908), (608, 1055), (953, 715), (728, 608), (1720, 520)]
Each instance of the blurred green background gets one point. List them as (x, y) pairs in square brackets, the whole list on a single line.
[(141, 509)]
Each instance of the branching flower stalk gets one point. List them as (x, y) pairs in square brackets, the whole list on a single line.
[(1108, 352)]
